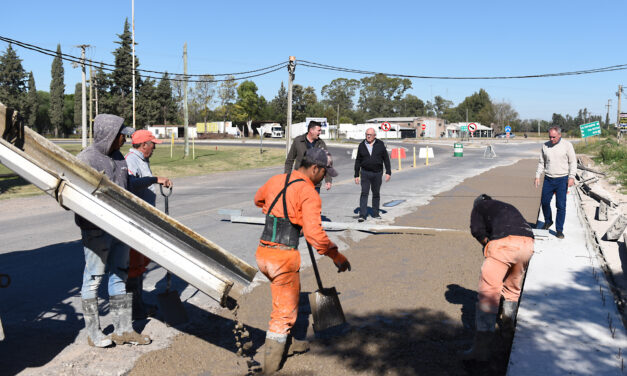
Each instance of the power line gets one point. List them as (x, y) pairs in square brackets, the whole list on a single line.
[(104, 66), (312, 64)]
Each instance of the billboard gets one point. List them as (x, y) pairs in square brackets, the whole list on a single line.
[(322, 120)]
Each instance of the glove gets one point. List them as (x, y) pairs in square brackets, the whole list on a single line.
[(341, 262)]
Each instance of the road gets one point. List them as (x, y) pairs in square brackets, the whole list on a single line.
[(42, 253)]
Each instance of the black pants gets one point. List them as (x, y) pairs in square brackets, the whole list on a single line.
[(370, 180)]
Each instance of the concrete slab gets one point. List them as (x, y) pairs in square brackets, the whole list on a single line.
[(568, 322)]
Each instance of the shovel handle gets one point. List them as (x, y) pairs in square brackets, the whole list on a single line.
[(165, 197), (315, 267)]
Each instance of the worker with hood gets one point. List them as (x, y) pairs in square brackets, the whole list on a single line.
[(106, 256)]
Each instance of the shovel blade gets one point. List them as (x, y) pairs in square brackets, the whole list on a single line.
[(172, 308), (326, 309)]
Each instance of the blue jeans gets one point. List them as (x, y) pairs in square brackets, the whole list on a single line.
[(559, 186), (104, 255), (369, 180)]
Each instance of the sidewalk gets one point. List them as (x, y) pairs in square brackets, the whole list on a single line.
[(568, 322)]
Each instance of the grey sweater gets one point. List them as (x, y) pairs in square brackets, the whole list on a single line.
[(557, 160)]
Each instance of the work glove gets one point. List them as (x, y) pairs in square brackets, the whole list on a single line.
[(341, 262)]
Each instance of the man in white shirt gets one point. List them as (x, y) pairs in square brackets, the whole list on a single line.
[(558, 162)]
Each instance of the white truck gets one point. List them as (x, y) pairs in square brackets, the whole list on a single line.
[(273, 130)]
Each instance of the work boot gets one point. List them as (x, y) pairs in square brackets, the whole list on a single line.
[(141, 309), (272, 356), (481, 347), (297, 346), (95, 337), (121, 307)]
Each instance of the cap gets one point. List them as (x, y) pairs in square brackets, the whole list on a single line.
[(322, 158), (127, 131), (480, 198), (144, 135)]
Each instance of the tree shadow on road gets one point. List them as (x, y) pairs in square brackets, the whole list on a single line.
[(38, 317)]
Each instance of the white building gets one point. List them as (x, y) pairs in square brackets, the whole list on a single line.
[(166, 131)]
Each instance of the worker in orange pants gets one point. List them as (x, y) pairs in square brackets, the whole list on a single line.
[(291, 204), (507, 241)]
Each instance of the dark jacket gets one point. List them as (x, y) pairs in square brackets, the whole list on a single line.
[(495, 219), (374, 162), (297, 153)]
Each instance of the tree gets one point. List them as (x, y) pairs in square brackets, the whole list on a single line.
[(227, 94), (248, 104), (304, 103), (57, 90), (43, 125), (279, 105), (78, 104), (167, 106), (340, 93), (32, 104), (379, 94), (148, 109), (479, 108), (504, 114), (411, 105), (122, 75), (205, 90), (12, 79)]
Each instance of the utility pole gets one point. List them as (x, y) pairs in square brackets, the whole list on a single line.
[(83, 98), (133, 45), (186, 115), (91, 104), (607, 116), (620, 90), (96, 90), (337, 125), (291, 67)]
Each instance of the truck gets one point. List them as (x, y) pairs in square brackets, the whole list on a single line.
[(273, 130)]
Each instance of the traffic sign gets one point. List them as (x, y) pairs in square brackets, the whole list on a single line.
[(590, 129), (463, 128), (472, 127), (424, 126), (386, 126), (508, 129)]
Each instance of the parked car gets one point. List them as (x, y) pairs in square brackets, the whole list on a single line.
[(504, 135)]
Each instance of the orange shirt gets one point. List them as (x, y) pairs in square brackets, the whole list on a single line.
[(303, 206)]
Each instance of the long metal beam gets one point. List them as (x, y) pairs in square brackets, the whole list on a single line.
[(78, 187)]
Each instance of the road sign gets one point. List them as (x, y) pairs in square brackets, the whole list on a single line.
[(424, 126), (463, 128), (472, 127), (385, 126), (590, 129), (508, 129)]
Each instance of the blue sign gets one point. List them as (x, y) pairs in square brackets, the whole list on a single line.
[(508, 129)]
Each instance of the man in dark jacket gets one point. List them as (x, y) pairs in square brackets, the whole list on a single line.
[(507, 241), (301, 143), (106, 256), (371, 157)]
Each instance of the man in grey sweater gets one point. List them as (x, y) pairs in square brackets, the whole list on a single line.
[(558, 162)]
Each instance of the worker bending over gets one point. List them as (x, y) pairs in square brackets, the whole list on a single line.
[(508, 246), (291, 203)]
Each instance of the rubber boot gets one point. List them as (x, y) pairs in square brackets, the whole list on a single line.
[(297, 346), (481, 347), (272, 356), (121, 307), (95, 337), (141, 309)]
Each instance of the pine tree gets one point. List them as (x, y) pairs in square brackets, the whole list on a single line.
[(166, 101), (122, 77), (12, 80), (32, 104), (57, 89), (78, 105)]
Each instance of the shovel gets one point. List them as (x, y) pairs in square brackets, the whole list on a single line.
[(169, 301), (325, 304)]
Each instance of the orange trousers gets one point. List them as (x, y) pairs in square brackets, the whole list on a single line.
[(503, 270), (137, 263), (282, 269)]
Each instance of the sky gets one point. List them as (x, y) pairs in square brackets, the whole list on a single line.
[(436, 38)]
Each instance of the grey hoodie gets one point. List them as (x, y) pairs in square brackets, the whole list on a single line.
[(106, 129)]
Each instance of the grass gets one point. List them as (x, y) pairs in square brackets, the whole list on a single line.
[(208, 159), (611, 155)]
